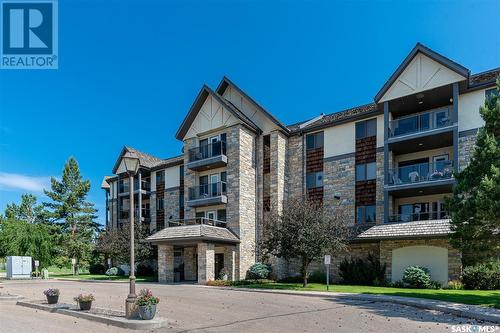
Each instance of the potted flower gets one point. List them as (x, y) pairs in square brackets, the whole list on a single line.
[(224, 274), (147, 304), (52, 295), (84, 301)]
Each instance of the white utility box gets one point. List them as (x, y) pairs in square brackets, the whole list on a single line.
[(19, 267)]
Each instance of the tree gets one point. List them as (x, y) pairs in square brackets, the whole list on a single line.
[(475, 204), (70, 210), (115, 243), (21, 238), (28, 210), (304, 230)]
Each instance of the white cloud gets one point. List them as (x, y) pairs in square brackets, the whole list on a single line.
[(16, 181)]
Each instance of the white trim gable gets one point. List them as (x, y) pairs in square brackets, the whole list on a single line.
[(212, 115), (422, 73)]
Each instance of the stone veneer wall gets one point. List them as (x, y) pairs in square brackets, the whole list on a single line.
[(295, 184), (152, 210), (466, 146), (171, 204), (189, 178), (278, 167), (339, 179), (379, 196), (165, 263), (241, 193), (206, 262), (454, 256), (113, 213)]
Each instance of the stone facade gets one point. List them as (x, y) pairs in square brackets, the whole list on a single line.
[(206, 262), (454, 256), (165, 263), (171, 204), (466, 146), (295, 165), (279, 177), (189, 177), (230, 261), (380, 187), (338, 180)]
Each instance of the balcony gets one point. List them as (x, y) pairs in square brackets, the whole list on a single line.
[(421, 179), (424, 216), (421, 122), (208, 194), (207, 156), (125, 214), (124, 188), (197, 221)]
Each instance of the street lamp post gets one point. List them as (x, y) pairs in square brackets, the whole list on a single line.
[(131, 162)]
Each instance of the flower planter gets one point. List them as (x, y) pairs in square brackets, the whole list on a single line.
[(85, 306), (52, 299), (147, 312)]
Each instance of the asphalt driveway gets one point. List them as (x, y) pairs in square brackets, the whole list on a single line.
[(193, 308)]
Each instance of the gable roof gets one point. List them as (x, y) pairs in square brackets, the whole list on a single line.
[(198, 103), (225, 82), (419, 48), (147, 160)]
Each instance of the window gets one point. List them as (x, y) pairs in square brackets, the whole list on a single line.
[(490, 93), (366, 214), (314, 179), (160, 176), (314, 141), (366, 171), (159, 204), (221, 215), (366, 128)]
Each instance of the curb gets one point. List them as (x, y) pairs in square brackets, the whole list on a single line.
[(10, 297), (458, 309), (118, 321), (91, 281)]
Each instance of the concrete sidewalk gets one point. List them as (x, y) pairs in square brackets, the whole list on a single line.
[(459, 309)]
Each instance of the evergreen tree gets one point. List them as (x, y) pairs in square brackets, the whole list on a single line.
[(28, 210), (73, 213), (475, 205)]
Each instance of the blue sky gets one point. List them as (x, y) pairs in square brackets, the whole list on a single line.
[(130, 70)]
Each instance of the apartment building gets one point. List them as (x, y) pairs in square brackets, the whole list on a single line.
[(388, 165)]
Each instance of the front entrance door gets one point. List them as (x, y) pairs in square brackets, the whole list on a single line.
[(219, 264)]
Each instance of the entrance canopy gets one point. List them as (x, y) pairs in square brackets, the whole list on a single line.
[(194, 233)]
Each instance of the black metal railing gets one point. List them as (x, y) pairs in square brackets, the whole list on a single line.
[(197, 221), (205, 191), (421, 172), (206, 151), (422, 216), (421, 122)]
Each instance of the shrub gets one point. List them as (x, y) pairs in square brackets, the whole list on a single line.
[(435, 285), (219, 283), (146, 270), (115, 271), (484, 276), (97, 269), (417, 277), (362, 272), (259, 271), (317, 277), (455, 285), (398, 284), (292, 279)]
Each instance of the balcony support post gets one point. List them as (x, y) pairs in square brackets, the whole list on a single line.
[(455, 130), (386, 161)]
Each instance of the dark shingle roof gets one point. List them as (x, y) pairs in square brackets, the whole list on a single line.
[(192, 232), (486, 77), (431, 228), (337, 117)]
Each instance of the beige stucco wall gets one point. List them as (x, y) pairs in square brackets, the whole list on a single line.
[(432, 257), (422, 198), (468, 110), (421, 74), (172, 177), (426, 153)]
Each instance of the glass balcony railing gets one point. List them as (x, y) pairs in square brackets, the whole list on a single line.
[(423, 216), (422, 172), (206, 191), (420, 122), (206, 151), (124, 187), (197, 220)]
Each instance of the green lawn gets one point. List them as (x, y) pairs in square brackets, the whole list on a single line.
[(489, 298)]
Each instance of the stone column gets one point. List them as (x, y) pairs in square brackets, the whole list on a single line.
[(165, 263), (230, 261), (278, 176), (206, 262), (189, 177)]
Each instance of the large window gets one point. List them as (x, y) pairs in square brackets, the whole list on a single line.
[(159, 203), (366, 214), (366, 171), (160, 176), (366, 128), (314, 141), (314, 179)]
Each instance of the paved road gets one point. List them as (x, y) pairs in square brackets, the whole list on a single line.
[(192, 308)]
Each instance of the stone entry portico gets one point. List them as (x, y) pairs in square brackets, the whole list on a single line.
[(188, 253)]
